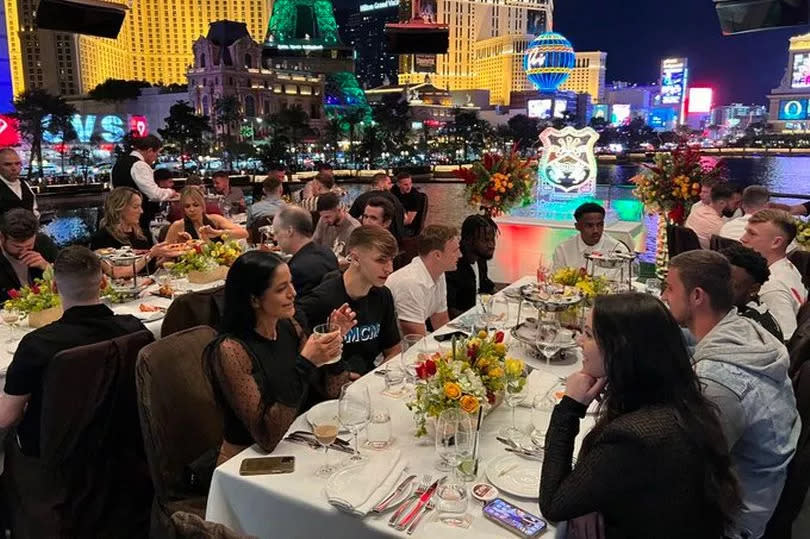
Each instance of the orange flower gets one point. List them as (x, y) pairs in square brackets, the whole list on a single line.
[(452, 390), (469, 404)]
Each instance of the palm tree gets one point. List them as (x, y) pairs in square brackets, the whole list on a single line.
[(293, 122), (334, 131), (228, 112), (353, 118), (33, 107)]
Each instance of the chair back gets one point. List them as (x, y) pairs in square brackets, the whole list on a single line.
[(254, 235), (179, 414), (801, 259), (421, 213), (718, 243), (681, 239), (799, 344), (798, 476), (408, 250), (203, 308)]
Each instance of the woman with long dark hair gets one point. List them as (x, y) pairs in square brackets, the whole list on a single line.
[(656, 463), (263, 365)]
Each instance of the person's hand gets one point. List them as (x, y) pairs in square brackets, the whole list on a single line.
[(163, 250), (343, 317), (583, 388), (175, 196), (354, 376), (184, 237), (590, 526), (320, 349), (33, 259), (207, 231)]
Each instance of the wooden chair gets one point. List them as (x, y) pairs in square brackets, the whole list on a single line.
[(202, 308), (681, 239), (718, 243), (801, 259), (181, 421), (254, 235)]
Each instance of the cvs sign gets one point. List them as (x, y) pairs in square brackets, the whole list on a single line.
[(110, 128)]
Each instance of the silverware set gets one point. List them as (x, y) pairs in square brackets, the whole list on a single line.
[(531, 453), (306, 438), (410, 505)]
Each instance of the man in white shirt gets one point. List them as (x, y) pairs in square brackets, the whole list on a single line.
[(590, 222), (769, 232), (420, 288), (754, 198), (705, 194), (135, 171), (14, 193), (707, 221)]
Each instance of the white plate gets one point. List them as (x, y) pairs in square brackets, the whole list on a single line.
[(328, 409), (149, 316), (522, 479)]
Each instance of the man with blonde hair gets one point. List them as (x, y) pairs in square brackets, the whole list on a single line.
[(371, 251), (770, 232), (420, 288)]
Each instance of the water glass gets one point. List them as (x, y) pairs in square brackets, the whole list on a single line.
[(409, 356), (542, 407), (327, 330), (11, 317), (394, 381), (354, 411), (455, 439), (379, 433), (513, 396)]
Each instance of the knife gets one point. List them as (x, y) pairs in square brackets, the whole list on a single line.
[(419, 505), (315, 445), (380, 507)]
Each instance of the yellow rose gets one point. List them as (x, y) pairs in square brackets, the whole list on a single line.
[(497, 372), (482, 334), (469, 404), (500, 348), (514, 367), (452, 390)]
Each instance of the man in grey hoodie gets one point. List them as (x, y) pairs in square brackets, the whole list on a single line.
[(744, 372)]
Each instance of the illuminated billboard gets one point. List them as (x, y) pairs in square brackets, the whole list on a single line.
[(619, 114), (92, 127), (793, 109), (601, 111), (800, 76), (424, 63), (673, 80), (536, 22), (700, 100), (9, 135), (661, 118), (560, 106), (539, 108)]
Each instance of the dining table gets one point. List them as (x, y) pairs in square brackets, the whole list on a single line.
[(295, 505)]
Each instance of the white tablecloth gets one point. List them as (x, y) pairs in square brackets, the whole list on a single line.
[(295, 506)]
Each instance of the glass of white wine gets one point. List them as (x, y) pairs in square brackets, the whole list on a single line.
[(325, 430), (11, 318)]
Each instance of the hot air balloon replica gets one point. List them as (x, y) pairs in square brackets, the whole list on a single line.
[(548, 61)]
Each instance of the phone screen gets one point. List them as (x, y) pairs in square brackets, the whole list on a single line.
[(515, 518), (267, 465)]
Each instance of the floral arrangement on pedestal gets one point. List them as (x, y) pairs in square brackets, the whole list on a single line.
[(470, 376), (207, 257), (498, 183), (582, 281), (38, 301), (669, 187)]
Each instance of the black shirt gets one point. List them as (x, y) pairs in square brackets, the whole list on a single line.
[(8, 277), (309, 265), (9, 199), (461, 292), (376, 328), (411, 202), (79, 326), (103, 238), (397, 224)]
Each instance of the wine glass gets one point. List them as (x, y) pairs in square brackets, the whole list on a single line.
[(513, 395), (409, 359), (543, 271), (542, 407), (455, 437), (325, 430), (546, 340), (11, 317), (654, 287), (354, 411)]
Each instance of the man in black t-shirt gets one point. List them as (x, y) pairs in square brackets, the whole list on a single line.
[(412, 201), (25, 253), (77, 274), (293, 229), (381, 187), (371, 252), (470, 277)]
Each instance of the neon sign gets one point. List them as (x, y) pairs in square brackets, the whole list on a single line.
[(700, 100), (378, 5), (9, 136), (568, 166), (793, 109), (110, 129)]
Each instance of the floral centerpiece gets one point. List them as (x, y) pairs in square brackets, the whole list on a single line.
[(670, 186), (579, 279), (207, 262), (498, 183), (38, 301), (803, 233), (473, 375)]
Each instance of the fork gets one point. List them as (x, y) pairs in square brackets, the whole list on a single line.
[(428, 508), (420, 489)]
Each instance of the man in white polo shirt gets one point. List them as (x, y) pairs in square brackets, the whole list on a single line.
[(590, 222), (420, 289), (769, 232), (754, 198)]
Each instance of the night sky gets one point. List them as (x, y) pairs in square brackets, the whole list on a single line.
[(639, 33)]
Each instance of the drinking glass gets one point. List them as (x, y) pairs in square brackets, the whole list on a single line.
[(394, 381), (327, 330), (409, 359), (379, 433), (455, 437), (11, 318), (354, 411), (546, 341), (542, 407), (543, 271), (513, 395), (325, 430)]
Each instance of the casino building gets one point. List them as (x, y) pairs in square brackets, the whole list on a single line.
[(789, 104)]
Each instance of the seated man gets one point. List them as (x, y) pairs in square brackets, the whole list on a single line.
[(707, 220), (77, 276), (744, 372), (590, 222), (705, 193), (754, 198), (770, 232), (335, 225), (310, 262), (26, 253), (420, 288), (323, 183), (371, 251), (268, 206), (749, 271), (412, 202), (470, 278), (381, 187), (380, 212), (234, 198)]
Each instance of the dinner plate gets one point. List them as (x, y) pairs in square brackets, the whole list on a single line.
[(515, 475), (150, 316), (328, 409)]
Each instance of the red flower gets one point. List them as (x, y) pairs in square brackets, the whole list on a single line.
[(198, 249), (472, 351), (490, 194), (35, 289), (426, 369), (499, 336), (677, 214), (490, 397), (465, 174), (14, 294)]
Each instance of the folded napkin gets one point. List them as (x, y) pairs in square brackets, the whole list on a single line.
[(371, 482)]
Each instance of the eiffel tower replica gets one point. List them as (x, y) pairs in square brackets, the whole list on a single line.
[(303, 36)]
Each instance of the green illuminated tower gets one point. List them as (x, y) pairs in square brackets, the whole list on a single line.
[(304, 33)]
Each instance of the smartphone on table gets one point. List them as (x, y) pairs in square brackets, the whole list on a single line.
[(267, 465), (514, 519), (449, 336)]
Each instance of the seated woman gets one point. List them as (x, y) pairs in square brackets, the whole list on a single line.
[(199, 225), (656, 463), (120, 228), (263, 365)]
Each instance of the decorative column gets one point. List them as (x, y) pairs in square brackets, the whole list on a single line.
[(661, 248)]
